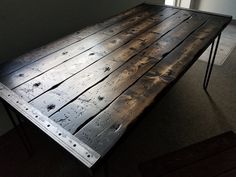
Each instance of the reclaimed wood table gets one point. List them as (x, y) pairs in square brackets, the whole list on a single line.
[(85, 89)]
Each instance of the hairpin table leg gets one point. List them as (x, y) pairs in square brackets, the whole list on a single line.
[(20, 130), (211, 62)]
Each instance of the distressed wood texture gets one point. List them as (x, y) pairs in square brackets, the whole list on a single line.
[(36, 68), (197, 160), (104, 130), (48, 49), (98, 81)]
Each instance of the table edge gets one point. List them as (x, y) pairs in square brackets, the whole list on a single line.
[(72, 144)]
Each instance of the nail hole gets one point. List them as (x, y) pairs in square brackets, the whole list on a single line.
[(21, 75), (26, 108), (48, 125), (37, 84), (91, 53), (107, 69), (50, 107), (17, 102), (132, 48), (8, 95), (59, 134), (36, 116), (64, 53), (88, 155), (74, 145), (100, 98)]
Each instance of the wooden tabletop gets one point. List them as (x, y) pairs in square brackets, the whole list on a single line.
[(85, 89)]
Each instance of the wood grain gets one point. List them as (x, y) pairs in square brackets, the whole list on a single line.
[(101, 69), (211, 167), (102, 94), (59, 44), (95, 83), (32, 70), (103, 131), (46, 81), (160, 166)]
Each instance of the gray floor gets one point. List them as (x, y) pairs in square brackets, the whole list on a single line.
[(227, 45), (184, 116)]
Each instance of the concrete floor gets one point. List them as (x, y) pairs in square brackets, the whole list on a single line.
[(185, 115)]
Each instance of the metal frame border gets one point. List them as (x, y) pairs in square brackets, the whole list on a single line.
[(72, 144)]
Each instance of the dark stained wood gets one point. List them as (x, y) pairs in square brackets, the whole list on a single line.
[(230, 173), (44, 82), (50, 48), (85, 90), (106, 91), (30, 71), (209, 167), (182, 158), (105, 129), (99, 70)]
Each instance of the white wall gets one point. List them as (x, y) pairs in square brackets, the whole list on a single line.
[(219, 6), (185, 3)]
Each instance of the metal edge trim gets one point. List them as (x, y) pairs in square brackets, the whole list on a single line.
[(72, 144)]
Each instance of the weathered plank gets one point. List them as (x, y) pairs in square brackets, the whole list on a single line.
[(100, 70), (100, 96), (59, 44), (230, 173), (44, 82), (163, 165), (210, 167), (133, 81), (103, 131), (30, 71)]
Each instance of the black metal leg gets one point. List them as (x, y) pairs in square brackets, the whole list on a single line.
[(90, 172), (211, 62), (24, 132), (20, 130), (105, 168)]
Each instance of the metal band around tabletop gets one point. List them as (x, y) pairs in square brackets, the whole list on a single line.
[(80, 150), (87, 89)]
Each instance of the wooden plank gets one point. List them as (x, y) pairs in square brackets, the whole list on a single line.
[(189, 155), (44, 82), (103, 131), (100, 96), (30, 71), (60, 96), (209, 167), (230, 173), (59, 44)]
